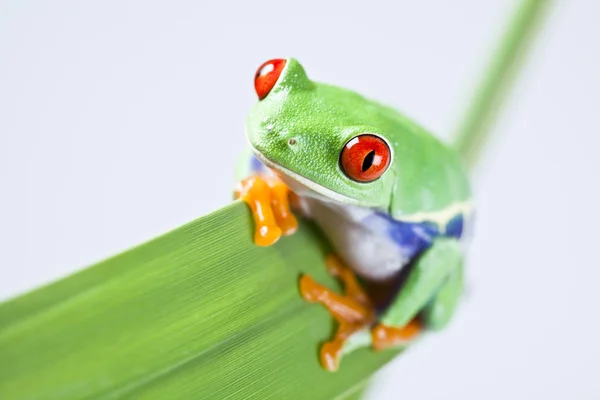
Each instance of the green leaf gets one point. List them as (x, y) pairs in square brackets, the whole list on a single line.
[(200, 312)]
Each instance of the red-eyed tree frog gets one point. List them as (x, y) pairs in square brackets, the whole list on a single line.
[(391, 198)]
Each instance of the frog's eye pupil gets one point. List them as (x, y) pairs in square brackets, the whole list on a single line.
[(267, 75), (365, 158), (368, 161)]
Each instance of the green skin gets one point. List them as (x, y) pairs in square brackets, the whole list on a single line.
[(424, 182)]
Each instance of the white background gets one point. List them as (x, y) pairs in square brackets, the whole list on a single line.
[(120, 120)]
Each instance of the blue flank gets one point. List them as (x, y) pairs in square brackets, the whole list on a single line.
[(414, 237), (454, 228), (255, 165)]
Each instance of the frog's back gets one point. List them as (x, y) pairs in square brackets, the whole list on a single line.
[(431, 182), (430, 179)]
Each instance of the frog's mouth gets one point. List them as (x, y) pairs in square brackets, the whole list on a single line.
[(302, 185)]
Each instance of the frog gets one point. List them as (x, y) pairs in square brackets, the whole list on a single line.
[(393, 200)]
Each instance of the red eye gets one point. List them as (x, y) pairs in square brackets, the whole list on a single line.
[(267, 76), (365, 158)]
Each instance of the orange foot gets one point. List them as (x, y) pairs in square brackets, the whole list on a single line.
[(353, 311), (384, 336), (268, 199)]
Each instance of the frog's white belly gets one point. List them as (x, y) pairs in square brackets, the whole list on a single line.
[(364, 248)]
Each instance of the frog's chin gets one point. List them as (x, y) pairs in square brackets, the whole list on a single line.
[(302, 185)]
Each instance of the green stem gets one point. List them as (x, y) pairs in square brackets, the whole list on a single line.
[(475, 128)]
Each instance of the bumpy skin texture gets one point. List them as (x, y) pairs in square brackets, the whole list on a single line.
[(412, 216), (424, 176)]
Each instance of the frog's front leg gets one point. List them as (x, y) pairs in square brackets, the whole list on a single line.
[(431, 293), (269, 203), (268, 198)]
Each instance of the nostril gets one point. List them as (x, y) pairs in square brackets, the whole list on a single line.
[(292, 141)]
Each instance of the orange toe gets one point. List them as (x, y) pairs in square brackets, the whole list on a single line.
[(280, 202), (310, 290), (255, 192), (330, 356), (267, 235), (385, 336)]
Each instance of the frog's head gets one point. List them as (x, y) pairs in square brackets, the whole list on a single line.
[(318, 138), (334, 144)]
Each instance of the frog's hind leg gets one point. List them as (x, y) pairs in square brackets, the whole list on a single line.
[(352, 311), (442, 306), (428, 296), (352, 287)]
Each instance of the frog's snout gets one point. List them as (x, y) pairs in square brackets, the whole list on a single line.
[(271, 139)]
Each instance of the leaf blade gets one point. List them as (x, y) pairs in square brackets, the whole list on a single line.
[(186, 314)]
